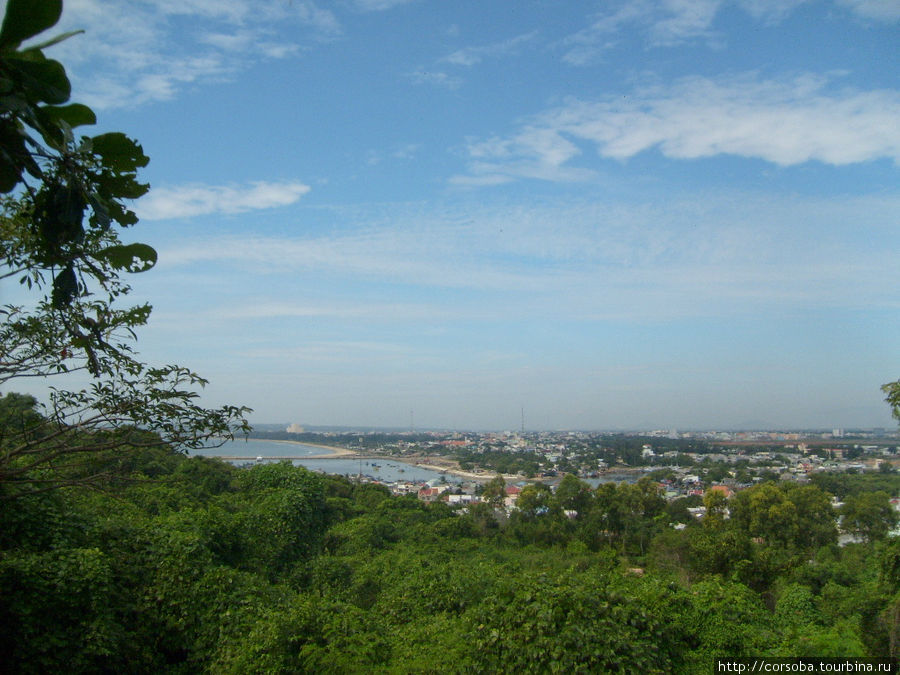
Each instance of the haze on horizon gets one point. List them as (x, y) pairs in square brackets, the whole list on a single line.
[(637, 214)]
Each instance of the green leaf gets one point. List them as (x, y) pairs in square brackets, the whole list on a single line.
[(53, 41), (59, 211), (43, 79), (27, 18), (129, 257), (101, 212), (75, 114), (9, 176), (119, 152), (65, 288), (121, 215), (123, 186)]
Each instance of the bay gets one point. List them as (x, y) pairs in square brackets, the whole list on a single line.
[(384, 470), (380, 469), (253, 448)]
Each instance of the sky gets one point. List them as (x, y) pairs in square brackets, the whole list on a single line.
[(607, 215)]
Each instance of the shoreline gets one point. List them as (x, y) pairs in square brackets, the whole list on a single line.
[(435, 463), (334, 451), (431, 462), (471, 475)]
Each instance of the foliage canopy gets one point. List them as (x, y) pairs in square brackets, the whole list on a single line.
[(65, 201)]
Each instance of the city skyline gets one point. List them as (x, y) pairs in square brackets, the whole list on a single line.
[(640, 214)]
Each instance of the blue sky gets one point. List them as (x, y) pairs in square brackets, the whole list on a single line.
[(656, 213)]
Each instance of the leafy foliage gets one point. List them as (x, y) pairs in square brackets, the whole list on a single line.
[(64, 203), (892, 396), (869, 515), (208, 568)]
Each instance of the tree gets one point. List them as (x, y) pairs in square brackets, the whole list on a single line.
[(869, 515), (892, 396), (62, 205), (494, 491), (574, 495), (716, 504), (577, 624), (787, 518), (534, 500)]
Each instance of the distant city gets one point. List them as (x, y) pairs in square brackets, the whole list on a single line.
[(727, 435), (683, 463)]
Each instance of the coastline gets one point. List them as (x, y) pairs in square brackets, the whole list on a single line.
[(333, 450), (442, 465), (432, 462)]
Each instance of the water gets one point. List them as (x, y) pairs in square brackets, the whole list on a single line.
[(387, 470), (384, 470), (256, 448)]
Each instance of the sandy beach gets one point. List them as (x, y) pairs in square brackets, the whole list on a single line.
[(333, 451), (444, 465), (437, 463)]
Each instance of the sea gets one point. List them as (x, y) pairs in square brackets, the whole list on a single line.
[(380, 469), (384, 470)]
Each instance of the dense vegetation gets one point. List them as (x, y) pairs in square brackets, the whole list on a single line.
[(192, 565)]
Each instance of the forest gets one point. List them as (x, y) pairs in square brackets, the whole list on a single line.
[(188, 564)]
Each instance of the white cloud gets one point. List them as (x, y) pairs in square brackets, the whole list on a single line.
[(266, 308), (135, 53), (880, 10), (770, 10), (234, 11), (683, 20), (196, 200), (471, 56), (406, 151), (435, 78), (331, 352), (711, 255), (379, 5), (785, 122), (666, 23)]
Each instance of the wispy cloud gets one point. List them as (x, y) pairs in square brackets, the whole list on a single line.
[(667, 23), (266, 308), (880, 10), (379, 5), (470, 56), (438, 75), (316, 354), (435, 78), (404, 152), (713, 255), (786, 122), (187, 201), (143, 52), (663, 22)]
